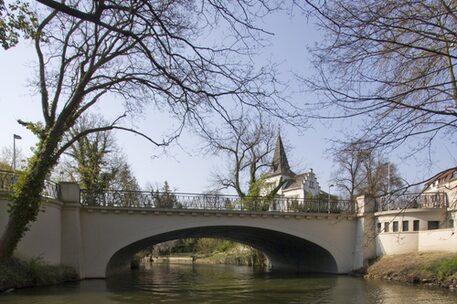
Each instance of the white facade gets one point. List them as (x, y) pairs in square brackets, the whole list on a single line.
[(445, 182), (430, 227), (415, 230)]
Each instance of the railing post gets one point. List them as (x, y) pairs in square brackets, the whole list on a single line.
[(70, 192)]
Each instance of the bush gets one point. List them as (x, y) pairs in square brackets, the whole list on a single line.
[(15, 273)]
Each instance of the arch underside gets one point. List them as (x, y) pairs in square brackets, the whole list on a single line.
[(285, 252)]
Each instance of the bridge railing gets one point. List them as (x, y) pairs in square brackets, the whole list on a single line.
[(412, 200), (9, 178), (167, 200)]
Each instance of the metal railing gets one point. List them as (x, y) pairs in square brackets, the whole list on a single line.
[(8, 179), (192, 201), (412, 200)]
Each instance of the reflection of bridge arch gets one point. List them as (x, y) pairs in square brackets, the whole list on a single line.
[(284, 251)]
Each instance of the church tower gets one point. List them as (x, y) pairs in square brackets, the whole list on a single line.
[(280, 164), (291, 185)]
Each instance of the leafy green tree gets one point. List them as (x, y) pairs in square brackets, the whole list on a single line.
[(16, 18), (98, 165), (96, 161), (165, 198)]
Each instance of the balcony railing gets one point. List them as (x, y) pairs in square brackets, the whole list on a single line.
[(8, 178), (413, 200), (142, 199)]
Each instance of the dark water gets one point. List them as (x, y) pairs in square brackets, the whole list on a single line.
[(164, 283)]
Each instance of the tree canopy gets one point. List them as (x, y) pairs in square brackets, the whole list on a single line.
[(392, 63), (191, 59)]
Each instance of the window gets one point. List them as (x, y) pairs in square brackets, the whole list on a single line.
[(416, 225), (395, 226), (431, 225), (451, 223), (405, 226), (386, 227), (379, 227)]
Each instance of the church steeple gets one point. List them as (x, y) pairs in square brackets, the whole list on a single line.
[(280, 165)]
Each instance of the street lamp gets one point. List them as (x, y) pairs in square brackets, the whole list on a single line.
[(328, 202), (15, 136)]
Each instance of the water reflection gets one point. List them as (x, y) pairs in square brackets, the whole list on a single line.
[(165, 283)]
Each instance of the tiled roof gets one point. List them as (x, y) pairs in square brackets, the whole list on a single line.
[(442, 177), (280, 164), (295, 182)]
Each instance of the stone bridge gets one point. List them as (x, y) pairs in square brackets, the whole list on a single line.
[(98, 235)]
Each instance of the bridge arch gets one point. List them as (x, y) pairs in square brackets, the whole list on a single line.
[(285, 252)]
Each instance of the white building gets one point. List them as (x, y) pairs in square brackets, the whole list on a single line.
[(291, 185), (444, 184)]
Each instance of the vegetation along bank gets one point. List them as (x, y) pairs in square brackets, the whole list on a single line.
[(428, 268), (15, 273)]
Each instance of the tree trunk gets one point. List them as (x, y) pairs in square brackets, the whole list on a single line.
[(23, 210), (26, 196)]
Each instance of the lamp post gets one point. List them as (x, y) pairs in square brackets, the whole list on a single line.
[(388, 177), (15, 136), (328, 202)]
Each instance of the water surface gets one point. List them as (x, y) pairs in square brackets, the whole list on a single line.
[(173, 283)]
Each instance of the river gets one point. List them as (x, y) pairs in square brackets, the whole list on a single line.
[(174, 283)]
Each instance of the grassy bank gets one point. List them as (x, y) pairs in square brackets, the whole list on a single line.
[(238, 255), (233, 257), (18, 274), (431, 268)]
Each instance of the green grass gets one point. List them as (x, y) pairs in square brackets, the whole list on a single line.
[(442, 269), (19, 274), (439, 268)]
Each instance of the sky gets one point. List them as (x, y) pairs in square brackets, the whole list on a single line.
[(184, 164)]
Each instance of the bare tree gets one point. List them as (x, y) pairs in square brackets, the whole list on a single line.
[(348, 177), (363, 171), (393, 64), (6, 157), (158, 52), (248, 144)]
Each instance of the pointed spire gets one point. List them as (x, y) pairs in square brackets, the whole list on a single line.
[(280, 165)]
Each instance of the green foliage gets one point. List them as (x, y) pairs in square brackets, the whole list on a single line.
[(135, 262), (441, 269), (185, 246), (253, 201), (16, 18), (256, 186), (17, 274), (25, 198), (209, 245), (258, 203), (5, 166), (165, 198)]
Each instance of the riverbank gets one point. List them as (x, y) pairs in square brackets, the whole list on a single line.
[(427, 268), (235, 256), (16, 274)]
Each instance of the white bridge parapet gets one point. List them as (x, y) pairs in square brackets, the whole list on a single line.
[(98, 240)]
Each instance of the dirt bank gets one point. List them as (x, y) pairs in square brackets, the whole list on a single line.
[(431, 268)]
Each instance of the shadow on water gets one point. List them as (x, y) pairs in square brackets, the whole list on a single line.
[(187, 283)]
